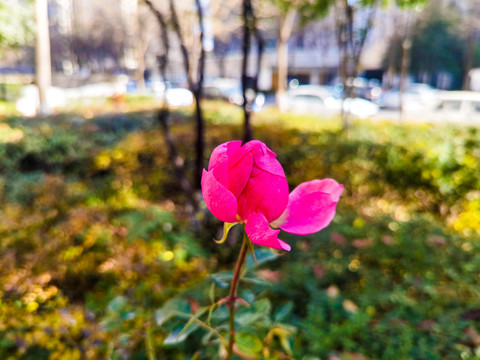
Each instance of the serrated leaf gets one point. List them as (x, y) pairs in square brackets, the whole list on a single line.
[(248, 344), (262, 257), (177, 336)]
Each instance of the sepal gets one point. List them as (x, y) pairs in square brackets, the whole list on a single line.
[(226, 229)]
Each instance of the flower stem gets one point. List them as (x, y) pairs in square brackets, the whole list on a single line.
[(233, 294)]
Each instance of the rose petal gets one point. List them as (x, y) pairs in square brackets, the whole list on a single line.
[(328, 186), (239, 174), (220, 201), (265, 193), (223, 152), (219, 160), (264, 158), (311, 207), (260, 233)]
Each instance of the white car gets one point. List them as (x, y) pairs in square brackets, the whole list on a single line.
[(457, 107), (324, 100), (417, 97), (178, 97)]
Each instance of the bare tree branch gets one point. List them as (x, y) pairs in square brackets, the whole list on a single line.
[(163, 115), (197, 91), (195, 87), (250, 29)]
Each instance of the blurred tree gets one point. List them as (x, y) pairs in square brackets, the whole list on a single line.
[(352, 31), (287, 13), (469, 28), (43, 68), (354, 20), (250, 84), (163, 114), (18, 23), (437, 46), (226, 23), (98, 38), (410, 14), (195, 76)]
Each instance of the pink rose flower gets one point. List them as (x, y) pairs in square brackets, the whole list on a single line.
[(247, 184)]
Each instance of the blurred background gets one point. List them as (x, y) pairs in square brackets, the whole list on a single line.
[(109, 112)]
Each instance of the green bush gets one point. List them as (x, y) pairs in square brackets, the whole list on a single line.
[(98, 261)]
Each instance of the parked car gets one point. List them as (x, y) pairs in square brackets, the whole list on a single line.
[(231, 91), (324, 100), (175, 95), (457, 106), (417, 97)]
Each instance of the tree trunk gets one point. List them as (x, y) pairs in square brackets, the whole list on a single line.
[(195, 87), (198, 92), (406, 46), (162, 118), (405, 63), (469, 56), (247, 126), (43, 67), (286, 26)]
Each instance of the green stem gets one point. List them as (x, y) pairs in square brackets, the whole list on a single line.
[(233, 294), (149, 342)]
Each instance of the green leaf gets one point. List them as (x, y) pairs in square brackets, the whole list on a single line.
[(211, 293), (256, 281), (263, 306), (171, 308), (248, 344), (222, 278), (285, 343), (245, 319), (178, 335), (262, 257), (117, 304), (195, 317), (283, 311)]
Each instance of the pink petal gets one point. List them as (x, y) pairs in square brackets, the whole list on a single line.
[(222, 152), (329, 186), (239, 173), (311, 207), (265, 193), (219, 160), (264, 158), (220, 201), (260, 233)]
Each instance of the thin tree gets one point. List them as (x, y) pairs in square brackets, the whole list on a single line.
[(470, 28), (286, 22), (163, 114), (350, 40), (250, 86), (42, 54), (195, 85), (289, 12)]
